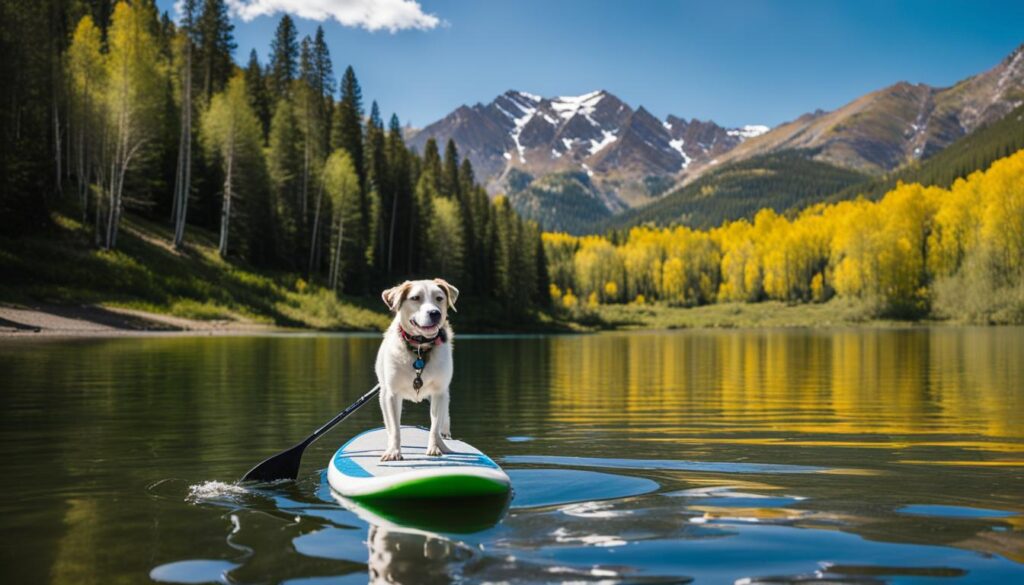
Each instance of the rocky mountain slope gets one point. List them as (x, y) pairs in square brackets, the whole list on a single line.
[(623, 151), (888, 128)]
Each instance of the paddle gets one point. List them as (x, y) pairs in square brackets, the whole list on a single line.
[(285, 465)]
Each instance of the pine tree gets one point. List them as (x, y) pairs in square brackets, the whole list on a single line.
[(259, 97), (284, 159), (324, 74), (432, 162), (310, 110), (450, 171), (284, 55), (347, 132), (379, 185), (400, 181), (214, 45)]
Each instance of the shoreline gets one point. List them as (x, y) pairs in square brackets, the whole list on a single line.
[(93, 321), (49, 320)]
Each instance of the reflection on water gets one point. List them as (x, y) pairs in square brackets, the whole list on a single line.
[(770, 456)]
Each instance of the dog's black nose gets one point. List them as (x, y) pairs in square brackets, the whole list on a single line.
[(435, 316)]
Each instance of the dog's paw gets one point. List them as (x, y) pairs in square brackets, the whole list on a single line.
[(392, 455), (437, 449)]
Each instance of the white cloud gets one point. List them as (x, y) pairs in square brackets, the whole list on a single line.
[(373, 15)]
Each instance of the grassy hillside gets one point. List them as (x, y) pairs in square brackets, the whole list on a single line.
[(971, 153), (778, 181), (62, 266)]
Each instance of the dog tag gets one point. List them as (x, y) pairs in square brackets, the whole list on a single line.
[(418, 364), (417, 382)]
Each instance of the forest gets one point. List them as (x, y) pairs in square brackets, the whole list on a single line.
[(916, 252), (112, 109)]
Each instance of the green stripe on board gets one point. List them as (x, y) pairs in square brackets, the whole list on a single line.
[(450, 486)]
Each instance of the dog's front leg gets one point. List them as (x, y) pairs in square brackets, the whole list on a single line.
[(391, 407), (435, 444), (446, 420)]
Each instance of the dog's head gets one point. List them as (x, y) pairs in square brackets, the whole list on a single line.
[(421, 305)]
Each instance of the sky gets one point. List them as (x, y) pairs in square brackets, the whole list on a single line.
[(735, 62)]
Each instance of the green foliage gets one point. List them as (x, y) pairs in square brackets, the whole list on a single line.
[(348, 224), (232, 134), (284, 160), (566, 202), (445, 241)]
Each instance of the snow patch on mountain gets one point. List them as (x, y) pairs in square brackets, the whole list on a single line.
[(520, 123), (677, 145), (569, 106), (606, 139), (749, 131)]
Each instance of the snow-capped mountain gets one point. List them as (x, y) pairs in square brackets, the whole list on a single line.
[(626, 154)]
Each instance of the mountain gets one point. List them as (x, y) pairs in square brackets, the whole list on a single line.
[(894, 126), (628, 154), (538, 149)]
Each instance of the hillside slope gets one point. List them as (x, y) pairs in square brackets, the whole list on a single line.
[(779, 181), (62, 266), (974, 152)]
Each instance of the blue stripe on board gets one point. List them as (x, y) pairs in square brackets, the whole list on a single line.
[(348, 467)]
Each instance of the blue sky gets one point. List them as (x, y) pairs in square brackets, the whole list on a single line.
[(735, 62)]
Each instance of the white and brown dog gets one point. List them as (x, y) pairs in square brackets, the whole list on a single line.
[(415, 360)]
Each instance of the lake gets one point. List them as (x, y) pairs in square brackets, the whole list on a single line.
[(738, 456)]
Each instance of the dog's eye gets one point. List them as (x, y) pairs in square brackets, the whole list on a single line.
[(414, 298), (439, 299)]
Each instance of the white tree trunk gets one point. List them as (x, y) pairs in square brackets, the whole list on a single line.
[(225, 213), (391, 235), (184, 177), (336, 263)]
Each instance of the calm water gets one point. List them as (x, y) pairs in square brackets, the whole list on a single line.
[(852, 456)]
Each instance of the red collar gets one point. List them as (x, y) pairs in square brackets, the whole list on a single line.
[(414, 341)]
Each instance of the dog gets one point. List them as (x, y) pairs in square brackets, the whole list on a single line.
[(415, 360)]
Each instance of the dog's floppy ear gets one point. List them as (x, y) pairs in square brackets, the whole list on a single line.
[(394, 296), (449, 290)]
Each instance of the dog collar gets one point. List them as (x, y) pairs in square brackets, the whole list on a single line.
[(416, 342)]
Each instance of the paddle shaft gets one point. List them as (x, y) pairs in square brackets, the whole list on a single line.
[(343, 414), (285, 465)]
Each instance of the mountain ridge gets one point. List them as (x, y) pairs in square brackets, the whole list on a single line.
[(617, 146)]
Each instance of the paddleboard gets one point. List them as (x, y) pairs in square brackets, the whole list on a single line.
[(356, 471)]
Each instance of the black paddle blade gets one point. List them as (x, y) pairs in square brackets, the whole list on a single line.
[(284, 465)]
